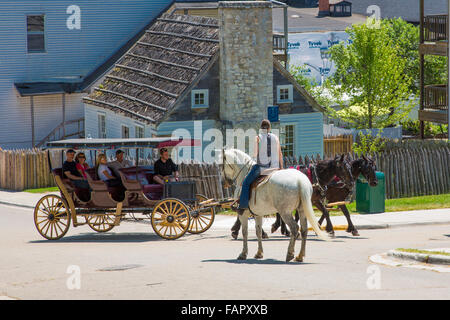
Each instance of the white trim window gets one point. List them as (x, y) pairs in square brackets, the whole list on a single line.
[(287, 140), (125, 132), (101, 117), (36, 33), (285, 93), (139, 132), (200, 98), (125, 135)]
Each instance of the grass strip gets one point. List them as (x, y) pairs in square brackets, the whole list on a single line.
[(424, 251)]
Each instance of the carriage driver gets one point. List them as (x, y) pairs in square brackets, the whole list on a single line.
[(165, 169), (268, 155)]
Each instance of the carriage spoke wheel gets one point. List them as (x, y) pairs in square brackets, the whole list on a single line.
[(101, 222), (201, 221), (170, 218), (52, 217)]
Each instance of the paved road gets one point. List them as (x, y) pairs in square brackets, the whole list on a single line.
[(131, 262)]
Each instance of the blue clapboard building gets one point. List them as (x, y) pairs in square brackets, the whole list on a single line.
[(52, 52)]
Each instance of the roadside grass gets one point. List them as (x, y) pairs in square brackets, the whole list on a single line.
[(42, 190), (414, 203), (424, 251), (392, 205)]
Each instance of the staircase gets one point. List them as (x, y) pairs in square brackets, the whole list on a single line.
[(65, 130)]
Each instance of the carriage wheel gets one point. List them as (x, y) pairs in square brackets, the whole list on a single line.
[(52, 217), (101, 222), (170, 218), (201, 221)]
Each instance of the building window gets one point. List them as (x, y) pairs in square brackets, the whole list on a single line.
[(287, 140), (125, 132), (139, 133), (200, 98), (284, 93), (35, 33), (102, 125), (126, 135)]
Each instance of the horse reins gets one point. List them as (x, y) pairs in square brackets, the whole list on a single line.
[(228, 181)]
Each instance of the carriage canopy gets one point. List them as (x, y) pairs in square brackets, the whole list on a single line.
[(116, 143)]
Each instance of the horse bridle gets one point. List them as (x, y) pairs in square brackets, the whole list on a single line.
[(231, 181)]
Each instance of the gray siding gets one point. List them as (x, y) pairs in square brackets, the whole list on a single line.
[(300, 105), (209, 81)]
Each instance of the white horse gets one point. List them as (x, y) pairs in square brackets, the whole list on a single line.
[(285, 191)]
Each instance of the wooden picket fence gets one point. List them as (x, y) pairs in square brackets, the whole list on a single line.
[(24, 169), (411, 168), (29, 169), (337, 145)]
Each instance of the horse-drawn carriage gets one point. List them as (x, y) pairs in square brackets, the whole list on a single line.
[(172, 209)]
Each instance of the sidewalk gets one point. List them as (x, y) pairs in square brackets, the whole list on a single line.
[(361, 221), (21, 199)]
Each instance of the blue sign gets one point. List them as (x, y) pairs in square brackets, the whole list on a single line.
[(272, 113)]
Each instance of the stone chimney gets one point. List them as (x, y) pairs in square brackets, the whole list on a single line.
[(246, 62), (324, 8)]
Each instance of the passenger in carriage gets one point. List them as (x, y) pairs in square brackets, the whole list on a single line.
[(165, 169), (104, 172), (81, 165), (71, 172), (119, 163)]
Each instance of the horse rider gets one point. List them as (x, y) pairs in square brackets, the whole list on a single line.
[(268, 156)]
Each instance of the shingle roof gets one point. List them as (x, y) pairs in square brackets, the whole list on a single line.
[(149, 79)]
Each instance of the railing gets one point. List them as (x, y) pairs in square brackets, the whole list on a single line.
[(279, 42), (435, 27), (60, 133), (436, 97)]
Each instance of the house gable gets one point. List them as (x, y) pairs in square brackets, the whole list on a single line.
[(158, 71)]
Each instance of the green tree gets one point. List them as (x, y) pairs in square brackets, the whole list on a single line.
[(371, 73), (311, 85)]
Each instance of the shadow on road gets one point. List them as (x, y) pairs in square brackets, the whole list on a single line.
[(257, 261), (312, 238), (107, 237)]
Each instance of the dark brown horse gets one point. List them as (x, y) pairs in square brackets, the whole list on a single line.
[(322, 174), (339, 191)]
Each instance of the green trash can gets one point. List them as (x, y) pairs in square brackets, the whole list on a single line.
[(370, 199)]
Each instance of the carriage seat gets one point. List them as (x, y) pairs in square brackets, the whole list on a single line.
[(117, 193), (82, 194), (67, 182), (144, 177)]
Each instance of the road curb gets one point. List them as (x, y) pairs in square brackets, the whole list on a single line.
[(421, 257), (17, 205)]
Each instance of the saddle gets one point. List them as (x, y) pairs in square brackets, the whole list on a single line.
[(261, 180)]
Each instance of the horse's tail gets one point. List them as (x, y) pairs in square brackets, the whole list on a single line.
[(305, 198)]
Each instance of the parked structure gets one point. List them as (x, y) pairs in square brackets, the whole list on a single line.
[(408, 10)]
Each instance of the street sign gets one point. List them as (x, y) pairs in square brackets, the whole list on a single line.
[(272, 113)]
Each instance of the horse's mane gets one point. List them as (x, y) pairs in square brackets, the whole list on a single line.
[(324, 164), (240, 156)]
